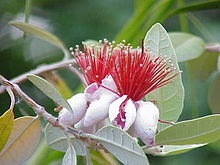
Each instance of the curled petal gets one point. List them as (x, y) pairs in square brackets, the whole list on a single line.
[(79, 105), (80, 126), (109, 83), (145, 124), (98, 110), (66, 117), (92, 92), (122, 112), (91, 129)]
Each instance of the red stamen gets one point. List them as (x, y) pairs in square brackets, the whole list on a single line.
[(166, 122), (94, 62), (136, 73), (109, 89)]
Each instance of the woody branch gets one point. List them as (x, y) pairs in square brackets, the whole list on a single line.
[(40, 110)]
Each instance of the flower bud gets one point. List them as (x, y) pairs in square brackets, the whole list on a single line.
[(66, 117), (78, 103), (98, 110), (145, 124), (122, 112)]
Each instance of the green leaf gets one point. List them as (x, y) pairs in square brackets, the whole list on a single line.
[(143, 19), (57, 140), (40, 33), (6, 124), (214, 94), (201, 68), (70, 157), (195, 7), (57, 81), (99, 157), (187, 46), (27, 10), (49, 90), (121, 145), (218, 64), (197, 131), (168, 150), (169, 98), (22, 142)]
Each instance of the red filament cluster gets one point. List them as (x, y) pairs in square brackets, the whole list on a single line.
[(136, 73)]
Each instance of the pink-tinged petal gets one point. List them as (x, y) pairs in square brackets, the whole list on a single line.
[(66, 117), (98, 110), (92, 92), (122, 112), (79, 105), (108, 85), (145, 124)]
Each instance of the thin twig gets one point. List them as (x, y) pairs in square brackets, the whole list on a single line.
[(40, 70), (40, 111)]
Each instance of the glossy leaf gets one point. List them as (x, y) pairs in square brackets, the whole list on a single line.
[(6, 124), (214, 94), (121, 145), (70, 157), (40, 33), (197, 131), (49, 90), (202, 67), (187, 46), (169, 98), (57, 140), (22, 142)]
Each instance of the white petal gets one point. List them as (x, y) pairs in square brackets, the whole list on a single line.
[(80, 126), (66, 117), (98, 110), (109, 83), (145, 124), (130, 111), (92, 92), (79, 105)]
